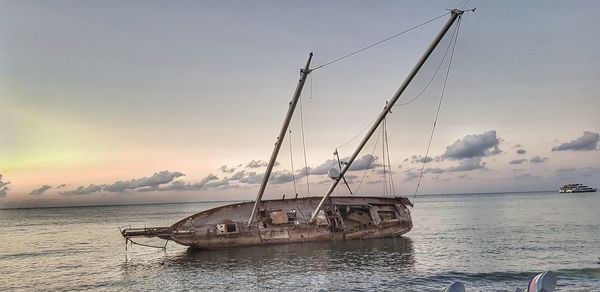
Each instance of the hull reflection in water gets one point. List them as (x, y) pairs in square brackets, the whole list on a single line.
[(287, 221), (395, 252)]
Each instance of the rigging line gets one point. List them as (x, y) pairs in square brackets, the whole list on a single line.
[(311, 86), (356, 136), (292, 162), (379, 42), (304, 144), (337, 156), (455, 36), (369, 165), (430, 80), (387, 143), (463, 7), (383, 158)]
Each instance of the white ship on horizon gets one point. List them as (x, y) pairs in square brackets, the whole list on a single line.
[(575, 188)]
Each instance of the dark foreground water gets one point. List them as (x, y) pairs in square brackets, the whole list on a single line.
[(491, 242)]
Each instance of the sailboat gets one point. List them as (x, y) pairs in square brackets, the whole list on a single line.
[(305, 219)]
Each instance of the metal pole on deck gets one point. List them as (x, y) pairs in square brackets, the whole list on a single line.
[(303, 74), (455, 13)]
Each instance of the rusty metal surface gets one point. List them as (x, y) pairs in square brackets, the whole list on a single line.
[(286, 221)]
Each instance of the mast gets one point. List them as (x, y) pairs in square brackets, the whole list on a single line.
[(455, 13), (303, 74)]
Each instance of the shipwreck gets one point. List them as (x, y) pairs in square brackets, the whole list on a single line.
[(306, 219)]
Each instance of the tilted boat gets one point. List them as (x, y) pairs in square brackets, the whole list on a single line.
[(575, 188), (300, 219)]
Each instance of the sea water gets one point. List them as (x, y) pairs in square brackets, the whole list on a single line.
[(490, 242)]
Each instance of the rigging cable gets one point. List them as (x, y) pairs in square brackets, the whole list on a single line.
[(369, 165), (348, 142), (379, 42), (385, 184), (429, 82), (303, 141), (336, 155), (391, 179), (455, 37), (365, 48), (292, 162), (463, 7)]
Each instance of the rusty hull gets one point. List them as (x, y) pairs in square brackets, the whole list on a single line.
[(286, 221)]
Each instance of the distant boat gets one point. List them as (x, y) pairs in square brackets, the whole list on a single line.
[(575, 188)]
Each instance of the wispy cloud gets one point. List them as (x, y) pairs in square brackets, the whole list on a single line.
[(40, 190), (420, 159), (518, 161), (226, 169), (84, 190), (538, 159), (587, 142), (521, 151), (257, 164)]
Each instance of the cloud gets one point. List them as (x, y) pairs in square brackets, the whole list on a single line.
[(518, 161), (538, 159), (521, 151), (477, 145), (240, 175), (141, 184), (258, 164), (226, 169), (435, 170), (365, 162), (40, 190), (84, 190), (468, 164), (420, 159), (323, 168), (410, 175), (281, 177), (3, 187), (252, 178), (210, 181), (155, 180), (60, 186), (219, 184), (587, 142), (525, 177)]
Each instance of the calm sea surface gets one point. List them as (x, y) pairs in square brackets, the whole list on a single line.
[(491, 242)]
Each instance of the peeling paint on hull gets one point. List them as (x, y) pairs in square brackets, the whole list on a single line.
[(286, 221)]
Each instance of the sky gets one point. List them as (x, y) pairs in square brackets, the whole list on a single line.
[(113, 102)]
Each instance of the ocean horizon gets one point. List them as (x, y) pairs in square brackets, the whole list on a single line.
[(251, 200)]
